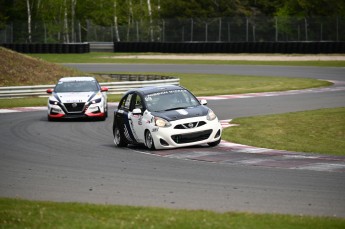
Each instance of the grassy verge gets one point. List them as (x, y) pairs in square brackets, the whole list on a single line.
[(318, 131), (15, 213), (207, 85), (204, 84), (106, 57), (23, 102)]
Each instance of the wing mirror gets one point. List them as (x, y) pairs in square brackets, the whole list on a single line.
[(104, 89), (137, 111), (203, 102), (49, 91)]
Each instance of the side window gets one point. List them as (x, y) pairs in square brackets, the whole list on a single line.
[(138, 102), (128, 102), (125, 102)]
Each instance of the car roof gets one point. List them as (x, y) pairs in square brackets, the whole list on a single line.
[(77, 78), (155, 89)]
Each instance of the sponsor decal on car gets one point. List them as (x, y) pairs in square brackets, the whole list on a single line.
[(182, 112)]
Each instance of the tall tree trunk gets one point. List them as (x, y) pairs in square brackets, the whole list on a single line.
[(116, 26), (73, 4), (150, 16), (66, 36), (29, 20), (130, 17)]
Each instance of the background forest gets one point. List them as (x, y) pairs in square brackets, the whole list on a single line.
[(68, 21)]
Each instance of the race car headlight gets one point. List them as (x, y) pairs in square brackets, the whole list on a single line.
[(96, 101), (161, 122), (52, 102), (211, 115)]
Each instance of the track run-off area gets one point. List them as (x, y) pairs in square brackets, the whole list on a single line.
[(77, 160)]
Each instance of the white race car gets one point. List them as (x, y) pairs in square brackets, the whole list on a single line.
[(77, 97), (164, 117)]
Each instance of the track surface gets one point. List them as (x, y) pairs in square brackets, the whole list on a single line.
[(77, 161)]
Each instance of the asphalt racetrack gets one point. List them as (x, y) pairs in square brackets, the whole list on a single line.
[(76, 161)]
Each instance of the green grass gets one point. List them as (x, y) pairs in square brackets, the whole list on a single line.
[(319, 131), (15, 213), (23, 102), (105, 57), (206, 85)]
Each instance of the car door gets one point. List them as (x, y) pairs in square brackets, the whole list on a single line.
[(137, 119), (123, 119)]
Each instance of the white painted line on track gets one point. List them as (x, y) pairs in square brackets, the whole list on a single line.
[(327, 167), (4, 111)]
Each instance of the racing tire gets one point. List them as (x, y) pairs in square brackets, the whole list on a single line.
[(119, 139), (212, 144), (149, 141)]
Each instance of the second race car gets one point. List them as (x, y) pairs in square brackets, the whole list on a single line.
[(77, 97)]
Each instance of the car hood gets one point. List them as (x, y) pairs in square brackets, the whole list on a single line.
[(182, 113), (74, 97)]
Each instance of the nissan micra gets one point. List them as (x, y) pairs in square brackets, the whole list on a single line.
[(164, 117)]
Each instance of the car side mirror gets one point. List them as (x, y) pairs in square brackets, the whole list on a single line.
[(49, 91), (137, 111), (104, 89), (203, 102)]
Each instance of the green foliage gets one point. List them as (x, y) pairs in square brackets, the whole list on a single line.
[(203, 8), (309, 8), (267, 7), (63, 20), (103, 11)]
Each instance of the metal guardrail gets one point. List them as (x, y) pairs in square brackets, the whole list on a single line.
[(101, 46), (113, 88)]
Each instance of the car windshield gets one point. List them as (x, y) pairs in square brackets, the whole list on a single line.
[(76, 86), (170, 100)]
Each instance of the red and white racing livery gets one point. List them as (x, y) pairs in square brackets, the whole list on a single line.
[(77, 97)]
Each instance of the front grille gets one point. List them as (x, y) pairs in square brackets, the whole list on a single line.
[(191, 137), (74, 107), (190, 125)]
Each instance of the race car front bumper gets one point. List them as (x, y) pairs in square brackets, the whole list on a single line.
[(179, 134), (92, 111)]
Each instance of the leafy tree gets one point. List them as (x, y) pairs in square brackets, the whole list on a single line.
[(309, 8), (60, 20), (203, 8), (266, 7)]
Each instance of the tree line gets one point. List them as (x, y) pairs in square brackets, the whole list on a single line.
[(63, 15)]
